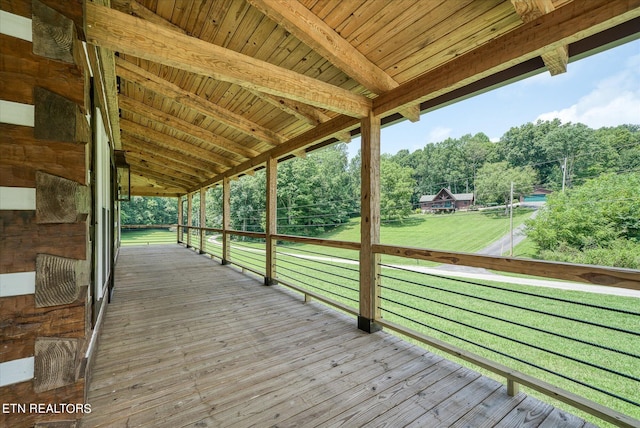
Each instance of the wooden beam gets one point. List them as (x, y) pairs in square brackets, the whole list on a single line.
[(295, 144), (370, 224), (555, 59), (161, 178), (167, 141), (163, 167), (132, 7), (572, 22), (131, 143), (115, 30), (139, 163), (145, 79), (203, 218), (271, 226), (171, 121), (315, 33), (226, 220), (302, 111)]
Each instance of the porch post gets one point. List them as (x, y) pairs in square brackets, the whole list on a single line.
[(180, 219), (189, 218), (226, 218), (203, 215), (272, 223), (370, 224)]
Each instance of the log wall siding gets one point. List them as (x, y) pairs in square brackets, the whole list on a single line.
[(44, 250)]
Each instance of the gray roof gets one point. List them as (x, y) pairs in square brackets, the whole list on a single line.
[(456, 196)]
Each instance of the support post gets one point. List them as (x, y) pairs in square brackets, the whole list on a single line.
[(370, 225), (226, 219), (189, 218), (272, 221), (180, 219), (203, 218)]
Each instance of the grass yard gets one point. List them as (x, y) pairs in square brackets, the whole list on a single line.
[(147, 237), (461, 231)]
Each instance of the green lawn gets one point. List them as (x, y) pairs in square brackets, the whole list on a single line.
[(147, 236)]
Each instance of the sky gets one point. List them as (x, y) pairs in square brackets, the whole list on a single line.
[(600, 90)]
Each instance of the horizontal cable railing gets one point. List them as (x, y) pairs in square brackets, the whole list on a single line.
[(328, 275), (582, 348), (248, 251)]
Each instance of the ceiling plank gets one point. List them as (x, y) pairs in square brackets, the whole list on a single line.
[(160, 177), (315, 33), (556, 59), (132, 7), (304, 112), (133, 149), (163, 167), (140, 145), (175, 143), (141, 77), (138, 107), (572, 22), (319, 36), (115, 30)]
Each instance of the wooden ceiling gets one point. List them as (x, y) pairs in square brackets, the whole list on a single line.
[(209, 88)]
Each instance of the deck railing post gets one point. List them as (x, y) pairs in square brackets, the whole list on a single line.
[(180, 219), (203, 218), (272, 221), (226, 219), (189, 218), (370, 224)]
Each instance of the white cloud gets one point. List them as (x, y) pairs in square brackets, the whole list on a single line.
[(437, 134), (614, 101)]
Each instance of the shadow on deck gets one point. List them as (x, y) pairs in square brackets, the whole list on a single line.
[(188, 342)]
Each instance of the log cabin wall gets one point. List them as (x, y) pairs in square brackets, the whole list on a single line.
[(45, 213)]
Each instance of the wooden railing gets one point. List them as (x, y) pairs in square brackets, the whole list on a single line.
[(338, 285)]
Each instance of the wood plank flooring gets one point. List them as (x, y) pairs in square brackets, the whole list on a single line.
[(187, 342)]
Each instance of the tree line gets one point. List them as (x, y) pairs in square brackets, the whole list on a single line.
[(322, 191)]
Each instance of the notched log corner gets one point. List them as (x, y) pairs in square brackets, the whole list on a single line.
[(59, 280), (59, 200), (53, 33), (54, 363), (58, 118)]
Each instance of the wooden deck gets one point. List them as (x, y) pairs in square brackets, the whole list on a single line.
[(188, 342)]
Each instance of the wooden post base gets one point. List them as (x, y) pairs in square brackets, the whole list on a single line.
[(370, 326)]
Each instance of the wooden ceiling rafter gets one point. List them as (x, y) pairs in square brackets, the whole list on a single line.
[(168, 168), (315, 33), (281, 78), (560, 27), (168, 141), (152, 82), (133, 143), (160, 177), (186, 127), (570, 23), (115, 30), (557, 58), (161, 160)]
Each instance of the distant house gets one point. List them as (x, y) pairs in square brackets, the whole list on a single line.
[(539, 194), (445, 201)]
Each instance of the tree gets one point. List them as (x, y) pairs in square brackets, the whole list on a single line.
[(396, 187), (149, 210), (597, 222), (314, 194), (524, 146), (494, 182)]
